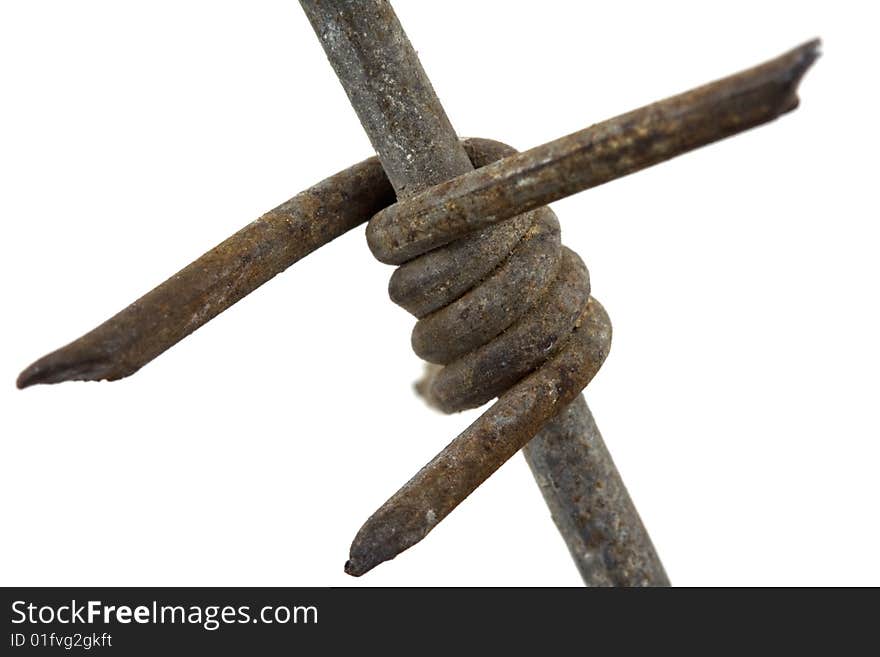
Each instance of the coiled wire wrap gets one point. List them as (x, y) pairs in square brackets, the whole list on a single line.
[(493, 305), (521, 326)]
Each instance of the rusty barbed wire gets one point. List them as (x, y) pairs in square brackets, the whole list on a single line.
[(517, 321), (504, 310)]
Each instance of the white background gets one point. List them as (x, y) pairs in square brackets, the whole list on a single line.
[(739, 400)]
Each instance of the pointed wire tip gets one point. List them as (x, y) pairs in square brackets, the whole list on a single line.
[(806, 55), (353, 568), (62, 365), (798, 62), (370, 550), (27, 378), (362, 559), (812, 49)]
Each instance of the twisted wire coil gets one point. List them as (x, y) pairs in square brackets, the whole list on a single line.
[(492, 305)]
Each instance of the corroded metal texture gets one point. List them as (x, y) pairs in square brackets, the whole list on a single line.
[(537, 363), (589, 157), (390, 92), (503, 308), (517, 321), (269, 245), (219, 278), (607, 547), (484, 446), (236, 267)]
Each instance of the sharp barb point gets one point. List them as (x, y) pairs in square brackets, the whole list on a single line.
[(354, 568), (62, 365)]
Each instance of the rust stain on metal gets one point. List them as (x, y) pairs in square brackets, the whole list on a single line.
[(597, 537), (225, 274), (590, 157), (517, 322), (504, 310)]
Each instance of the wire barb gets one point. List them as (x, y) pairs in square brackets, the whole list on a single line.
[(504, 309), (590, 157)]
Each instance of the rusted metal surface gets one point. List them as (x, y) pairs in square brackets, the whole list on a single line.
[(484, 446), (600, 537), (236, 267), (269, 245), (518, 323), (503, 308), (388, 88), (590, 157), (215, 281)]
